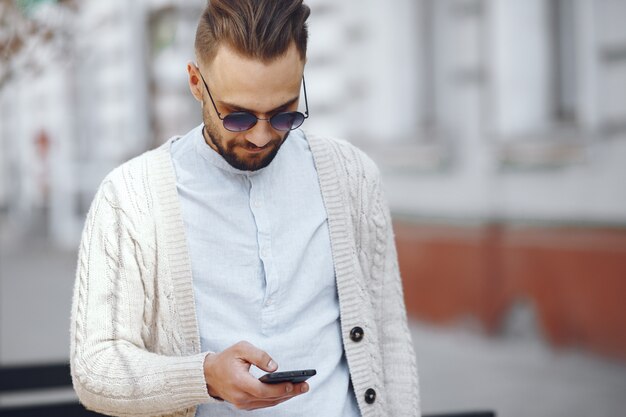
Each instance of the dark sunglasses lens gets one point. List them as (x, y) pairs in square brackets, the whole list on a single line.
[(239, 121), (287, 121)]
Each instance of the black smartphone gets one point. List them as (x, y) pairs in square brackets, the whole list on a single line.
[(288, 376)]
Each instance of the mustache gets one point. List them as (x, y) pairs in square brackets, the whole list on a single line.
[(249, 145)]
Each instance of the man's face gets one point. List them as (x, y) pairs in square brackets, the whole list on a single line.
[(239, 83)]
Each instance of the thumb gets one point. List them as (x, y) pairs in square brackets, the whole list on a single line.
[(256, 356)]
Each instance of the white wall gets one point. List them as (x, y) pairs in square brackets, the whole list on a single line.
[(579, 174), (491, 88)]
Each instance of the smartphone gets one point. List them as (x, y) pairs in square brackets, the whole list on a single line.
[(288, 376)]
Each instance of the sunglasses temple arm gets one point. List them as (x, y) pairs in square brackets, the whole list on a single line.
[(306, 101)]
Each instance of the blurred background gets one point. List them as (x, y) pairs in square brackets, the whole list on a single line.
[(499, 127)]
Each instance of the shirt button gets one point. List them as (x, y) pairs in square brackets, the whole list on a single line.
[(356, 334), (264, 253), (257, 204), (269, 302), (370, 396)]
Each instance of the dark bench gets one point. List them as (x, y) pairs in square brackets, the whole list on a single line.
[(38, 379), (463, 414), (18, 379)]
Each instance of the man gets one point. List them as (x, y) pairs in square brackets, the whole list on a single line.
[(240, 247)]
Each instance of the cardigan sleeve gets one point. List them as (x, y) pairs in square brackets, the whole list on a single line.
[(113, 372), (399, 360)]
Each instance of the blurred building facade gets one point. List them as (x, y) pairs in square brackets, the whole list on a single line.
[(499, 126)]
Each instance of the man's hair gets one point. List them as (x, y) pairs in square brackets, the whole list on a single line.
[(260, 29)]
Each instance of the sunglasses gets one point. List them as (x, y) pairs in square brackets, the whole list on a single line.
[(241, 121)]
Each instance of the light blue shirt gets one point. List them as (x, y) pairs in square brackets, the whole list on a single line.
[(263, 270)]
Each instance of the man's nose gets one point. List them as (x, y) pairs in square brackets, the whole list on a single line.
[(261, 133)]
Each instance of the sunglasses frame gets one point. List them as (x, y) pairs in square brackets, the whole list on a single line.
[(269, 120)]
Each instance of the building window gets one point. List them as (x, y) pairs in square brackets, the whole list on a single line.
[(564, 68), (543, 88)]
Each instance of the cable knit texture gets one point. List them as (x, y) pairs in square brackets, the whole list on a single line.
[(135, 348)]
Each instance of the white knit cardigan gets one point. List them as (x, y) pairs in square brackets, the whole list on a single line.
[(135, 348)]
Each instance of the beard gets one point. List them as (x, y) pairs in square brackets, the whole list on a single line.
[(245, 161)]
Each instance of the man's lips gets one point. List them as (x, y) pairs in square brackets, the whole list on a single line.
[(256, 149)]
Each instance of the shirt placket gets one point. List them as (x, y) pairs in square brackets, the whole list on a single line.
[(259, 207)]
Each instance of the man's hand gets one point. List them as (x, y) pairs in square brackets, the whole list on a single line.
[(228, 377)]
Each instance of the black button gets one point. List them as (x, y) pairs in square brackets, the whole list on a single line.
[(370, 396), (356, 334)]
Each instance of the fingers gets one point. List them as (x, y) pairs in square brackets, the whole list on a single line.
[(301, 387), (260, 390), (227, 377), (261, 404), (252, 402), (277, 390), (256, 356)]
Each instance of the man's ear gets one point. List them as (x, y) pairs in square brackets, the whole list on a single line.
[(195, 83)]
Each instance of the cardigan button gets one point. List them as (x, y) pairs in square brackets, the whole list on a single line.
[(370, 396), (356, 334)]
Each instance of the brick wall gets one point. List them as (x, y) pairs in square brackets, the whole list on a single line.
[(575, 276)]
